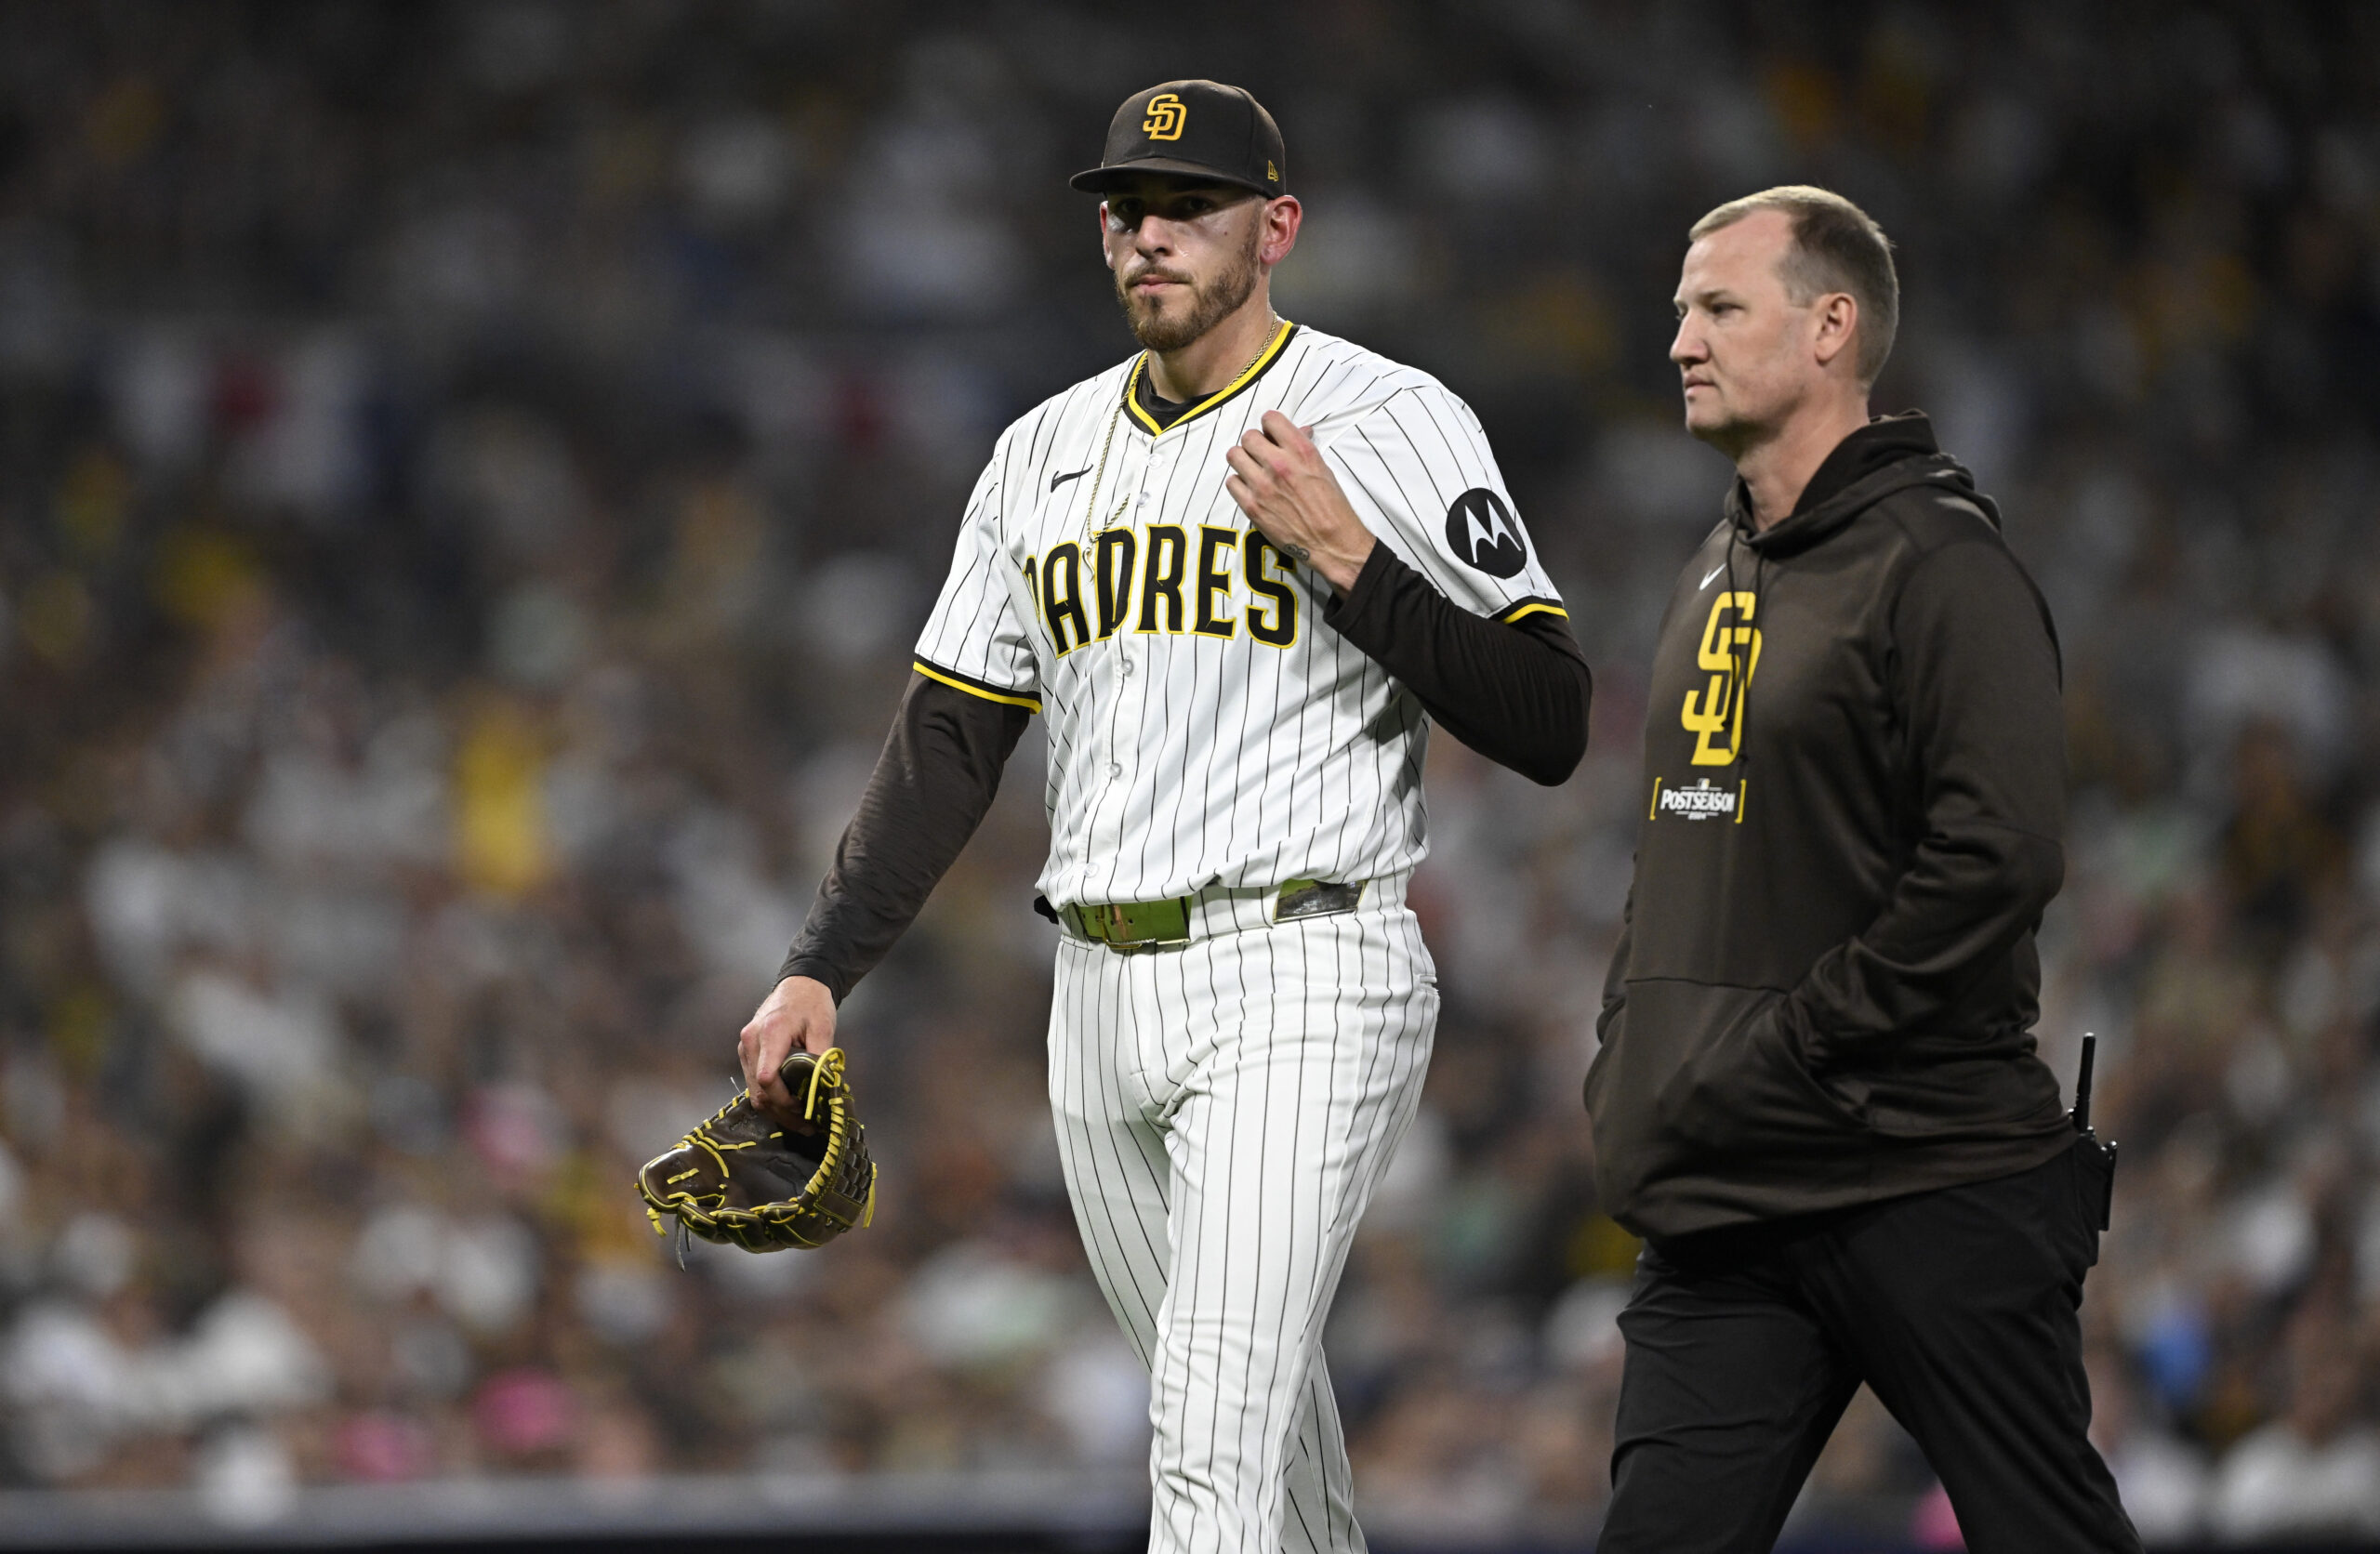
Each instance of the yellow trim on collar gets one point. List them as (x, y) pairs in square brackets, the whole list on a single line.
[(1264, 360), (1535, 610), (1029, 704)]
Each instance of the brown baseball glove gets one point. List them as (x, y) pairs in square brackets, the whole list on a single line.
[(765, 1180)]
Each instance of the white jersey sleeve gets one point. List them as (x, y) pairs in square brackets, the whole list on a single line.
[(975, 639), (1418, 469)]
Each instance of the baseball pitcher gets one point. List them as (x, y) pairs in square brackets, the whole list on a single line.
[(1234, 573)]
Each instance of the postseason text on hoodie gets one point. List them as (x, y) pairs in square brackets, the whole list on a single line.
[(1854, 793)]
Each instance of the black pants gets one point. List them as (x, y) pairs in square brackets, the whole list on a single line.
[(1957, 1307)]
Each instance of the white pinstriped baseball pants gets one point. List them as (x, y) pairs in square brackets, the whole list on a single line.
[(1223, 1111)]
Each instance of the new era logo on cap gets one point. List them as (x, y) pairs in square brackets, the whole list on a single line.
[(1199, 129)]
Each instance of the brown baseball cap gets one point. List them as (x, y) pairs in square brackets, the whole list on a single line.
[(1198, 129)]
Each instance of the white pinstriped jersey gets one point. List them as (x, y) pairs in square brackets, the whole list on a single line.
[(1206, 726)]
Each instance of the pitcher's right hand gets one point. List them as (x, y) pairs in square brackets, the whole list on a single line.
[(798, 1014)]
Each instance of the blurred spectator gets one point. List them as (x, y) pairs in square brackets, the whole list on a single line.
[(2314, 1471)]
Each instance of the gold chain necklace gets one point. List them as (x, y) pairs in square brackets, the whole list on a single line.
[(1090, 503)]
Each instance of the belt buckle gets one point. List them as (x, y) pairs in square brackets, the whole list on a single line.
[(1314, 898), (1126, 927)]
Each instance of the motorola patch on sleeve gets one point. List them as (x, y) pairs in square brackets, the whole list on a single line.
[(1483, 534)]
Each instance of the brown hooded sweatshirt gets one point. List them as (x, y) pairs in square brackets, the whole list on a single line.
[(1854, 793)]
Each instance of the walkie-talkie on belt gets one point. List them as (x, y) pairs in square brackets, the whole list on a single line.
[(2105, 1148)]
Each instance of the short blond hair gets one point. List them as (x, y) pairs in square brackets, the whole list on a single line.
[(1837, 247)]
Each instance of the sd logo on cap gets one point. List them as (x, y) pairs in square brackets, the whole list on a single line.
[(1166, 118)]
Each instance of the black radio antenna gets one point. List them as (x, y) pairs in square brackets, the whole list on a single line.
[(2083, 1083)]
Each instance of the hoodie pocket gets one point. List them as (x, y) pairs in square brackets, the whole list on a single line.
[(1748, 1090)]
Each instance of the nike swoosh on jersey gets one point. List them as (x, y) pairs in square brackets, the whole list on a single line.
[(1057, 479), (1708, 575)]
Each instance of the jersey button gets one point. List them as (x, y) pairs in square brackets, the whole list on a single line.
[(1115, 771), (1125, 668)]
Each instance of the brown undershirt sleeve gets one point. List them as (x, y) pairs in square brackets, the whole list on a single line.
[(1517, 691), (938, 774)]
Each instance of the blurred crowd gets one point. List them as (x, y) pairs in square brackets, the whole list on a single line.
[(469, 475)]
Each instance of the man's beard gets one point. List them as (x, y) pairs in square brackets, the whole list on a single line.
[(1210, 304)]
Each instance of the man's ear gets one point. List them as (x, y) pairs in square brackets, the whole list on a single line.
[(1105, 256), (1282, 216), (1837, 322)]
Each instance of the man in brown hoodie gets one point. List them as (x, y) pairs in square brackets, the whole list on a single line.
[(1817, 1096)]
